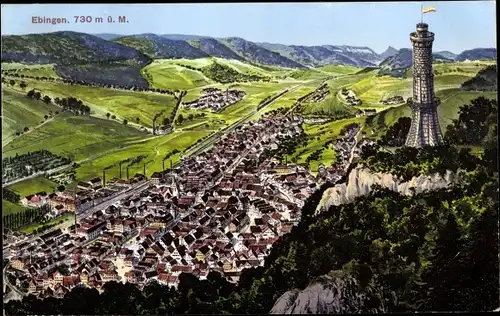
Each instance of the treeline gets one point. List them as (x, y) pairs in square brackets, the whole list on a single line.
[(190, 117), (29, 215), (474, 124), (177, 105), (70, 104), (29, 163), (91, 83), (170, 154), (11, 196), (409, 162), (287, 145), (225, 74), (47, 226), (396, 134), (485, 80)]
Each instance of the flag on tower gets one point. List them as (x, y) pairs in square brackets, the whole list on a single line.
[(429, 9)]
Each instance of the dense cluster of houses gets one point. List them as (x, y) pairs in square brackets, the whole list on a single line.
[(221, 210), (320, 93), (351, 98), (397, 99), (215, 99), (64, 177), (316, 120)]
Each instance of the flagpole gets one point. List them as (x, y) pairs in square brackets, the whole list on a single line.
[(422, 13)]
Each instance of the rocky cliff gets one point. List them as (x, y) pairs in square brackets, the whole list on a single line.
[(361, 179), (331, 294)]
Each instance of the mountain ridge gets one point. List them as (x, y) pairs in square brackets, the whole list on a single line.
[(76, 47), (389, 52)]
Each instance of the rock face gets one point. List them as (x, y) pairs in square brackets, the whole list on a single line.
[(329, 295), (361, 180)]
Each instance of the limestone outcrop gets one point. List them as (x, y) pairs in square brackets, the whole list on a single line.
[(361, 180)]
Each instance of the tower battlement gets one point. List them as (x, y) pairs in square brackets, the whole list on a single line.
[(422, 27), (425, 129)]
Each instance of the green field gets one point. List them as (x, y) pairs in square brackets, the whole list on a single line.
[(332, 104), (28, 229), (450, 75), (81, 136), (33, 185), (340, 69), (18, 112), (255, 92), (166, 74), (124, 104), (10, 208), (319, 135), (247, 68), (156, 148), (451, 100), (239, 66), (323, 71), (46, 70)]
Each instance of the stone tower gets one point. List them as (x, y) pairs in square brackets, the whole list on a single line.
[(425, 129)]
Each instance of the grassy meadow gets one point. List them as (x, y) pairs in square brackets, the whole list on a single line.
[(165, 74), (451, 100), (10, 208), (33, 185), (80, 136), (319, 135), (18, 112), (46, 70), (123, 104)]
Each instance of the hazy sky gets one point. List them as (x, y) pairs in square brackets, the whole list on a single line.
[(458, 25)]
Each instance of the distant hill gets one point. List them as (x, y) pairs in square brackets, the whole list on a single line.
[(257, 54), (478, 54), (66, 48), (214, 48), (485, 80), (108, 36), (446, 54), (389, 52), (398, 64), (437, 57), (326, 54), (183, 37), (160, 47)]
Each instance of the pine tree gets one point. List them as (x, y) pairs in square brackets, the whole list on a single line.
[(444, 276), (482, 280)]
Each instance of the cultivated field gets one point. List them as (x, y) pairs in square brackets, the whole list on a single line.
[(10, 208), (46, 70), (451, 100), (319, 135), (165, 74), (80, 136), (19, 112), (33, 185), (123, 104)]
